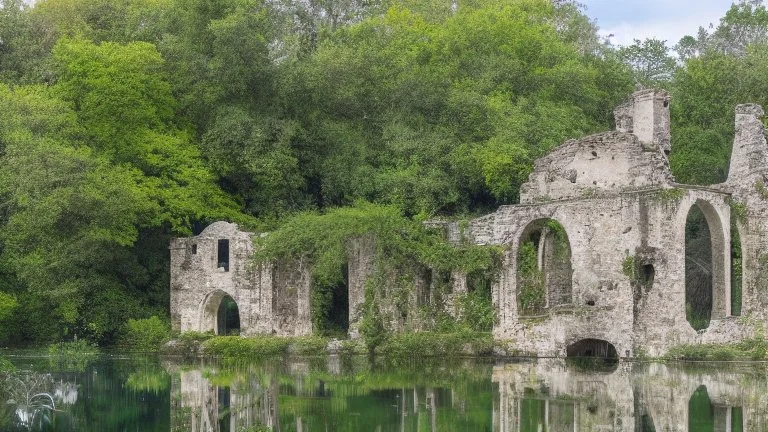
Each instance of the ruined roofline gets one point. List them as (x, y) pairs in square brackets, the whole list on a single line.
[(619, 192)]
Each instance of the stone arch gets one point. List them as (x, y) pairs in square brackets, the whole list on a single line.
[(705, 265), (544, 267), (592, 348), (210, 311)]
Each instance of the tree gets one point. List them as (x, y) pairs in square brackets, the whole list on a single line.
[(650, 61)]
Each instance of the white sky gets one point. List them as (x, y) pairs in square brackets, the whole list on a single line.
[(663, 19)]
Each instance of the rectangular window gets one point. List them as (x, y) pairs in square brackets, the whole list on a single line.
[(223, 260), (194, 249)]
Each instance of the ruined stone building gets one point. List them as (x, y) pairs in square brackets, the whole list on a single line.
[(605, 227)]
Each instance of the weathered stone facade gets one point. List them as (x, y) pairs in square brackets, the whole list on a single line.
[(625, 220)]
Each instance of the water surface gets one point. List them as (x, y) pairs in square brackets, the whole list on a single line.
[(134, 393)]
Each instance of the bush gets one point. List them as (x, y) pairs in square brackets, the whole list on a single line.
[(72, 356), (6, 366), (751, 349), (235, 347), (309, 345), (148, 335), (428, 344)]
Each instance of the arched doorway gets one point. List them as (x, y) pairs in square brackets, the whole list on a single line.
[(704, 266), (228, 317), (593, 354), (220, 314), (544, 271)]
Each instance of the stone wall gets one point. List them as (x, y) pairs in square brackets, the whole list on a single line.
[(623, 280), (272, 298)]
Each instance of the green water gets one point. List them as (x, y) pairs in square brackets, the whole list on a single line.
[(131, 393)]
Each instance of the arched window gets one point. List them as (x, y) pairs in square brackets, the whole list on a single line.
[(544, 271), (705, 296)]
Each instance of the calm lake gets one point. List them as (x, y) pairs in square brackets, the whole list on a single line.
[(132, 393)]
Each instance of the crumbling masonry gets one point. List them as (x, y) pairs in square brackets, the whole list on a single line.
[(619, 285)]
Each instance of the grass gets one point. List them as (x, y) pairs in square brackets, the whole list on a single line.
[(235, 347), (747, 350), (430, 344)]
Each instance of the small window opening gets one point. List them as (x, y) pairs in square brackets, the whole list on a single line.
[(223, 256), (194, 249), (590, 302), (594, 153), (666, 104), (647, 273)]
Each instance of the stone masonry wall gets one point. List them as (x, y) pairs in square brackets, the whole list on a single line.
[(625, 220)]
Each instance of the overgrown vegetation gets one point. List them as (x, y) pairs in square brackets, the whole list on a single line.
[(242, 348), (147, 335), (536, 279), (109, 145), (72, 356), (751, 349), (430, 344)]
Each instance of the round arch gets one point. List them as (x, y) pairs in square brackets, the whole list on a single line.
[(219, 313), (705, 269), (544, 276)]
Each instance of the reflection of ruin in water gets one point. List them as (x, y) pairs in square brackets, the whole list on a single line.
[(544, 396)]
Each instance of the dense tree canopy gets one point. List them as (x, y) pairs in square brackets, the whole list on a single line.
[(128, 122)]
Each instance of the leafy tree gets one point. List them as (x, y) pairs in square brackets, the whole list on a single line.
[(650, 61)]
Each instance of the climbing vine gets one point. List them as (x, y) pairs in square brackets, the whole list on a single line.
[(531, 289), (402, 248)]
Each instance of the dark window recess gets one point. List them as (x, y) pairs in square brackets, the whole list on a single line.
[(194, 249), (647, 273), (223, 260)]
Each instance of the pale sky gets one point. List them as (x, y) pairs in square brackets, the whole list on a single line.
[(663, 19)]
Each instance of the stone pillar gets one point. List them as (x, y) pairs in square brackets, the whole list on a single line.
[(749, 152)]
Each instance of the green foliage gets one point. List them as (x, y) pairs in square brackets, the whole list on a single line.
[(532, 292), (6, 366), (429, 344), (240, 348), (72, 356), (750, 349), (235, 347), (738, 211), (651, 62), (147, 334), (628, 268), (476, 311), (670, 194), (699, 320), (372, 327)]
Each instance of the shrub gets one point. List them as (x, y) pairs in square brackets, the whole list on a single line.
[(235, 347), (309, 345), (428, 344), (72, 356), (148, 334)]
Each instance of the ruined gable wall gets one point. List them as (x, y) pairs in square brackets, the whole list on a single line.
[(271, 297), (604, 163), (197, 281)]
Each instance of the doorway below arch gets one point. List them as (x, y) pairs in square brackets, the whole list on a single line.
[(228, 317)]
